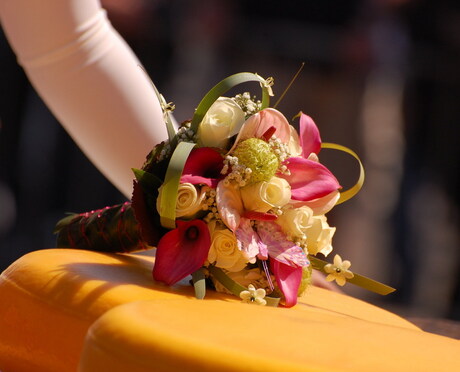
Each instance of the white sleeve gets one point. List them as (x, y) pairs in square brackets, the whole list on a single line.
[(89, 78)]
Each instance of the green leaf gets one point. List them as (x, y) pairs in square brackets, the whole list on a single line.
[(171, 184), (148, 181), (64, 222), (359, 280), (199, 283), (221, 88)]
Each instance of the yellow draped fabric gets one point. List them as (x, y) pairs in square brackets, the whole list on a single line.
[(61, 309)]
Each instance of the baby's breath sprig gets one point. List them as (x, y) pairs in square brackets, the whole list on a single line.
[(185, 133), (210, 205), (239, 173), (280, 149), (250, 106)]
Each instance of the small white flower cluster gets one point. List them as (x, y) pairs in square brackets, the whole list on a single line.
[(185, 134), (165, 152), (281, 150), (239, 172), (210, 205), (249, 105)]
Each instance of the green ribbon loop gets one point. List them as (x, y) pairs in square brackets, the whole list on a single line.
[(171, 184), (223, 87), (236, 288), (359, 280), (348, 194)]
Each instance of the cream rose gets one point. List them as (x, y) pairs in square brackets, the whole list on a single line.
[(262, 196), (319, 236), (223, 120), (189, 200), (224, 251), (295, 222)]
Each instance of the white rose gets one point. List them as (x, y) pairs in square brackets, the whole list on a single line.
[(189, 201), (223, 120), (319, 236), (296, 221), (224, 251), (262, 196)]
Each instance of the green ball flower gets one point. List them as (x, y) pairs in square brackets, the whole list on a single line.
[(257, 155), (306, 280)]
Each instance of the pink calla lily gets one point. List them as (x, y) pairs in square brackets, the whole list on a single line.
[(263, 123), (320, 205), (229, 205), (310, 140), (203, 166), (309, 179), (181, 251), (288, 279)]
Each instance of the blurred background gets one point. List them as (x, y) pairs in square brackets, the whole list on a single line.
[(381, 77)]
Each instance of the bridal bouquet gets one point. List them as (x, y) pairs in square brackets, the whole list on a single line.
[(236, 197)]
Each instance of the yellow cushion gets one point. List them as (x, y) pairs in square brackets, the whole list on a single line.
[(182, 335), (50, 298)]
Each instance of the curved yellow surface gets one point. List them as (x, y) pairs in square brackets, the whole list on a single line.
[(181, 335), (50, 298)]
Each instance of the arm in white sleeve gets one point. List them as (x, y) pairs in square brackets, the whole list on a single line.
[(89, 78)]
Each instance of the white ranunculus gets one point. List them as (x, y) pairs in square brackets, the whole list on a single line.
[(319, 236), (224, 251), (295, 222), (223, 120), (262, 196), (189, 200)]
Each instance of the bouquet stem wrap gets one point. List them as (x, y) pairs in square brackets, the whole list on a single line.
[(111, 229)]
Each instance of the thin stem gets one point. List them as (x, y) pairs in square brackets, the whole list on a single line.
[(289, 85)]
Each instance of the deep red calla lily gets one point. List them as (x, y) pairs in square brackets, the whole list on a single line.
[(309, 179), (310, 140), (203, 166), (288, 279), (181, 251)]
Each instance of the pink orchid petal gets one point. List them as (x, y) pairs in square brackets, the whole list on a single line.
[(181, 251), (248, 240), (279, 247), (310, 139), (309, 179), (321, 205), (288, 279), (263, 251), (258, 125), (203, 166)]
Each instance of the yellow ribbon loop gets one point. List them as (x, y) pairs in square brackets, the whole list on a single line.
[(351, 192)]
